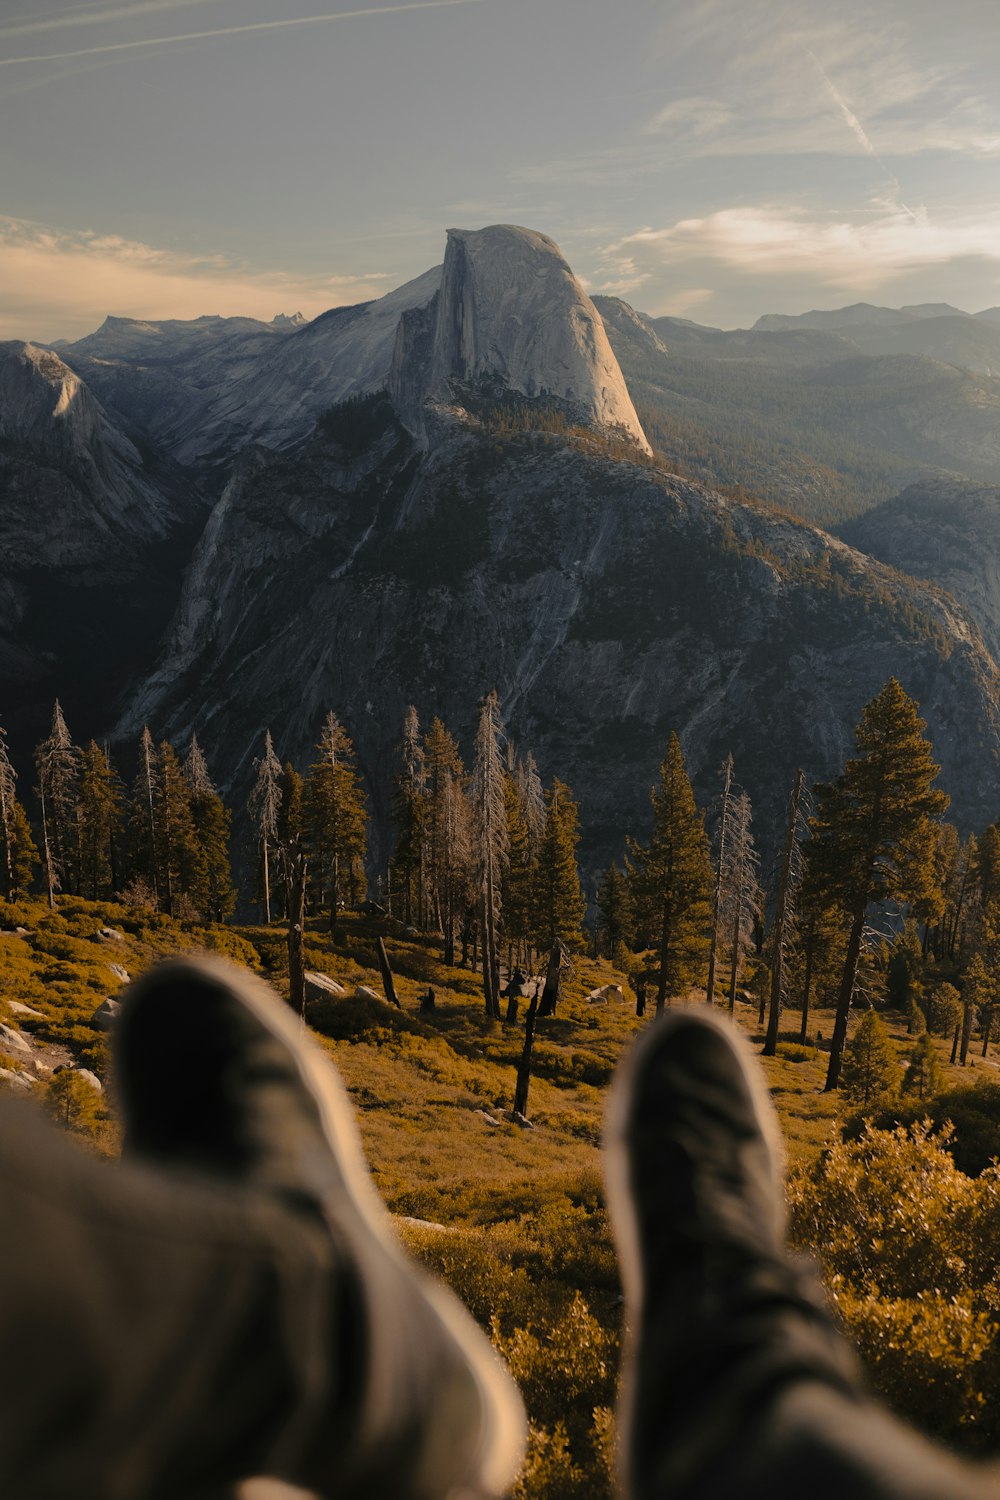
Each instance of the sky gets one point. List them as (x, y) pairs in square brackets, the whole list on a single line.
[(708, 159)]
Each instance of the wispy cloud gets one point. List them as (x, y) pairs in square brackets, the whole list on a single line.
[(253, 26), (841, 254), (886, 83), (55, 285), (95, 16)]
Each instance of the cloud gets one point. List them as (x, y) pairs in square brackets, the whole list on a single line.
[(56, 285), (198, 36), (886, 90), (95, 16), (774, 240)]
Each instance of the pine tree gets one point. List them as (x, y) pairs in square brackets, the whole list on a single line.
[(449, 832), (57, 764), (292, 866), (871, 1072), (742, 900), (334, 819), (720, 875), (519, 870), (785, 910), (264, 807), (99, 814), (979, 995), (615, 911), (144, 858), (176, 845), (211, 883), (558, 904), (490, 832), (923, 1075), (410, 816), (874, 834), (18, 854), (672, 880)]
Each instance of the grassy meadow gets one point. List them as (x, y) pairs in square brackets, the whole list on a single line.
[(510, 1214)]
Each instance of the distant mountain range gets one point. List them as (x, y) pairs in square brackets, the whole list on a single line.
[(451, 488)]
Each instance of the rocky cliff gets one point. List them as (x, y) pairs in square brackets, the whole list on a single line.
[(607, 601)]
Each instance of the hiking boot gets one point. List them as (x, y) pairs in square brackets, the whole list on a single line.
[(715, 1312), (217, 1077)]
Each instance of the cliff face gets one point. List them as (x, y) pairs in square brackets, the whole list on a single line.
[(607, 602), (88, 572), (510, 314)]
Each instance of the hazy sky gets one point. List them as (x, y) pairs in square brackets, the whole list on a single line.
[(713, 159)]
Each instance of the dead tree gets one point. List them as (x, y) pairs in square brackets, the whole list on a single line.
[(557, 965), (388, 983), (524, 1066), (719, 878), (296, 932)]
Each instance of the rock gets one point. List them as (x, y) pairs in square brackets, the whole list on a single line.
[(13, 1041), (20, 1009), (490, 1119), (106, 1014), (16, 1080), (90, 1078), (322, 987), (109, 935), (120, 972), (521, 1120), (22, 932), (606, 994), (411, 932), (364, 993), (40, 1069)]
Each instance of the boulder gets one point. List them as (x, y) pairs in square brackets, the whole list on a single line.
[(607, 994), (91, 1078), (322, 987), (120, 972), (20, 1009), (106, 1014), (364, 993), (109, 935), (16, 1080), (13, 1041)]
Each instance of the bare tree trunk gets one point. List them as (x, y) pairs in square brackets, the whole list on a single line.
[(955, 1041), (963, 1055), (267, 884), (296, 935), (661, 987), (524, 1067), (735, 954), (844, 999), (50, 874), (781, 919), (806, 987), (388, 983), (553, 975)]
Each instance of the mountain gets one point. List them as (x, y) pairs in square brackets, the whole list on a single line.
[(803, 417), (948, 533), (88, 535), (863, 314), (451, 488)]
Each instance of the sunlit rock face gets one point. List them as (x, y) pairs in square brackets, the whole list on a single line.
[(510, 315)]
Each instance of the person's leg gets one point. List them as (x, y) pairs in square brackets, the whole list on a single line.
[(735, 1379), (231, 1300), (159, 1336)]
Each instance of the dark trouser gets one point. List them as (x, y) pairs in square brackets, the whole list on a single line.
[(160, 1337), (748, 1392)]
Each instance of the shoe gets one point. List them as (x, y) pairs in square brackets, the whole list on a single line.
[(715, 1311), (262, 1106)]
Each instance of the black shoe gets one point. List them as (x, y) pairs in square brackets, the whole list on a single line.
[(715, 1312), (260, 1105)]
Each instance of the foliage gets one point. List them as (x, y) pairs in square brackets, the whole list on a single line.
[(871, 1073)]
